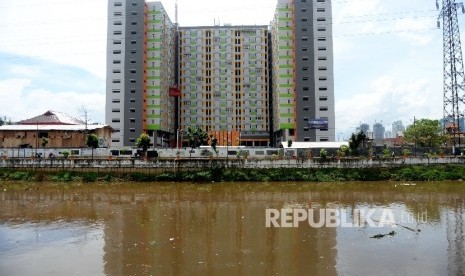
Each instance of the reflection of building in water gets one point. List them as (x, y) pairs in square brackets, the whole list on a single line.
[(176, 234), (455, 238)]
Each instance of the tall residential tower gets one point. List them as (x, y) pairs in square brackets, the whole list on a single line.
[(140, 69), (303, 85), (248, 85)]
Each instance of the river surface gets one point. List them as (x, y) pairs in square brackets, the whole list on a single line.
[(390, 228)]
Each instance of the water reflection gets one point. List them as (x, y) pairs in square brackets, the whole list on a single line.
[(166, 229)]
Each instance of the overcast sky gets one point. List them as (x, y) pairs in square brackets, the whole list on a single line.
[(387, 55)]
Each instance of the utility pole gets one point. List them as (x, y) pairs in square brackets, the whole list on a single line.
[(454, 76)]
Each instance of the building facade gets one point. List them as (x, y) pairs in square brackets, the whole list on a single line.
[(255, 85), (303, 85), (140, 69), (224, 82)]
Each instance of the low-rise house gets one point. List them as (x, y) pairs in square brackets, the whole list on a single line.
[(61, 131)]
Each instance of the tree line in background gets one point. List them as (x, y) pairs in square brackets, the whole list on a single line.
[(424, 133)]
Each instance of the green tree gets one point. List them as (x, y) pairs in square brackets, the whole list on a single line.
[(425, 133), (143, 142), (289, 143), (357, 140), (44, 142), (196, 137), (92, 142), (323, 154), (2, 122)]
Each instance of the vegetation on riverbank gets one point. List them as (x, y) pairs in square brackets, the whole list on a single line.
[(221, 174)]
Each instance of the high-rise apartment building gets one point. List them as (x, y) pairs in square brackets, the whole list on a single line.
[(140, 69), (303, 86), (224, 82), (251, 85)]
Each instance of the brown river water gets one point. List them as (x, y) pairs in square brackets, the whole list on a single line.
[(232, 228)]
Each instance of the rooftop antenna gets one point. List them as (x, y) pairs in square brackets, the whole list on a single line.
[(176, 12), (454, 76)]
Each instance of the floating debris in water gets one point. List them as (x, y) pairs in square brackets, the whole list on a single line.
[(379, 236)]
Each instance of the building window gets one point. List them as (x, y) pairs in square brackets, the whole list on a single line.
[(118, 4), (116, 52), (116, 42), (321, 58), (323, 99), (116, 81), (132, 130), (304, 38), (115, 120), (116, 91), (133, 71), (132, 140), (132, 110), (133, 23), (321, 19), (116, 71), (117, 23), (117, 32), (322, 78), (117, 13), (115, 101), (115, 110), (323, 108)]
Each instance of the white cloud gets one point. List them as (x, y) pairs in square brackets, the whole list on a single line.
[(65, 32), (24, 102), (389, 100), (415, 31)]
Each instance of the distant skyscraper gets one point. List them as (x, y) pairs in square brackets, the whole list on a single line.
[(378, 132), (363, 127), (397, 128)]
